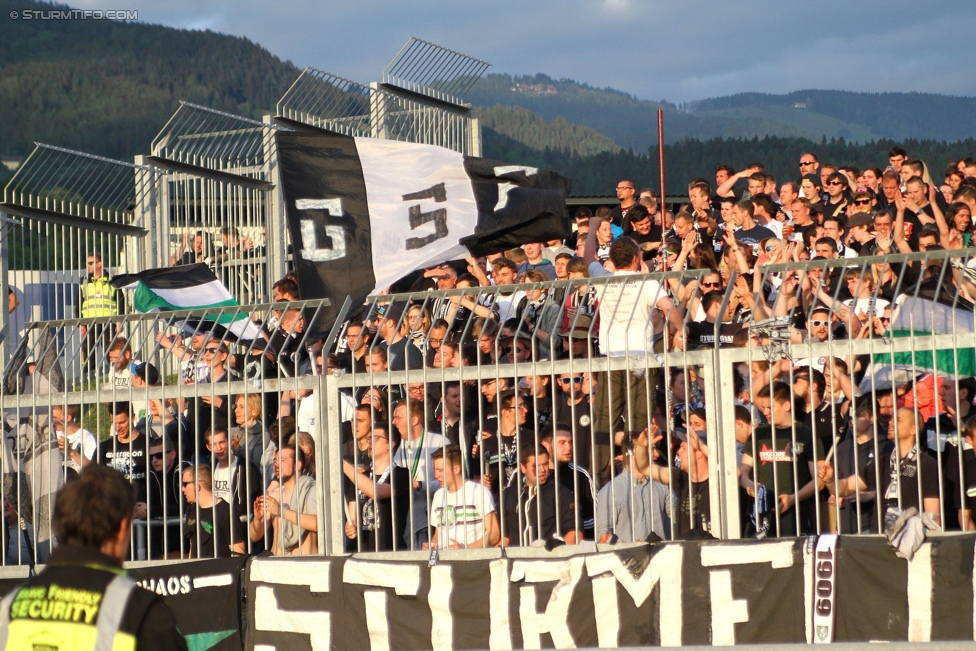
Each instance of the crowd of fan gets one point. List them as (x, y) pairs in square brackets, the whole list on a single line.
[(519, 458)]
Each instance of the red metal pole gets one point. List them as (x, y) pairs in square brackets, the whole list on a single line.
[(660, 164)]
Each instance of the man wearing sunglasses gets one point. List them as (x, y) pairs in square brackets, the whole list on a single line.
[(809, 164), (165, 498), (211, 409), (819, 325), (700, 334), (837, 188), (863, 201), (574, 409)]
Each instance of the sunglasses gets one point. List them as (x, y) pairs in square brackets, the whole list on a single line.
[(154, 457), (835, 183), (819, 324), (862, 202), (575, 380), (188, 483), (770, 248), (804, 163), (715, 284)]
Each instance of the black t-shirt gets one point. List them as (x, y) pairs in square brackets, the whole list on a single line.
[(129, 459), (579, 417), (953, 496), (580, 486), (215, 524), (536, 516), (825, 422), (644, 240), (376, 517), (836, 209), (403, 355), (924, 465), (618, 214), (498, 451), (702, 333), (702, 514), (781, 457), (844, 462), (753, 236)]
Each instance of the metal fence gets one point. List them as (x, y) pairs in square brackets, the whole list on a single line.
[(606, 409), (66, 212), (220, 202), (326, 101), (179, 400)]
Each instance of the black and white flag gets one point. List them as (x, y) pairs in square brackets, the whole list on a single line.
[(364, 212)]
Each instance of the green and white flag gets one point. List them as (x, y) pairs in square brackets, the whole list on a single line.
[(188, 287), (916, 316)]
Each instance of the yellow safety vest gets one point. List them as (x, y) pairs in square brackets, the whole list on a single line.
[(98, 298), (32, 618)]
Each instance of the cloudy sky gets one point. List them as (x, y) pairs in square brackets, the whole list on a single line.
[(676, 50)]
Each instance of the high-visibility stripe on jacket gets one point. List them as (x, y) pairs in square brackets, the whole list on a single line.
[(66, 619), (98, 298)]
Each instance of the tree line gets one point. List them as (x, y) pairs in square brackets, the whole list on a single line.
[(597, 175)]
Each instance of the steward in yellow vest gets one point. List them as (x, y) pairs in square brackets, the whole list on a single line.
[(83, 600)]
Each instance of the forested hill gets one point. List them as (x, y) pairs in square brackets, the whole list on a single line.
[(523, 126), (108, 87), (888, 115), (812, 114)]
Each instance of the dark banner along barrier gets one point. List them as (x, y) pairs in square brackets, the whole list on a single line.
[(685, 593), (205, 597), (653, 595)]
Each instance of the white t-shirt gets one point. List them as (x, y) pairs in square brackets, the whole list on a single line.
[(460, 516), (862, 305), (625, 315), (776, 227), (223, 479), (507, 305), (81, 441), (308, 409)]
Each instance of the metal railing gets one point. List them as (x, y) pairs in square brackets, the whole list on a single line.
[(539, 413), (429, 69), (327, 101), (176, 399)]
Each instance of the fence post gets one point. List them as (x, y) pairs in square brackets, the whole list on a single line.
[(724, 473), (5, 350), (332, 514), (276, 229)]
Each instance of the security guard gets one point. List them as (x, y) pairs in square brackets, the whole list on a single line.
[(97, 297), (83, 600)]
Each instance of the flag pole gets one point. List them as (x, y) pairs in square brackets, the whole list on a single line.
[(660, 165)]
